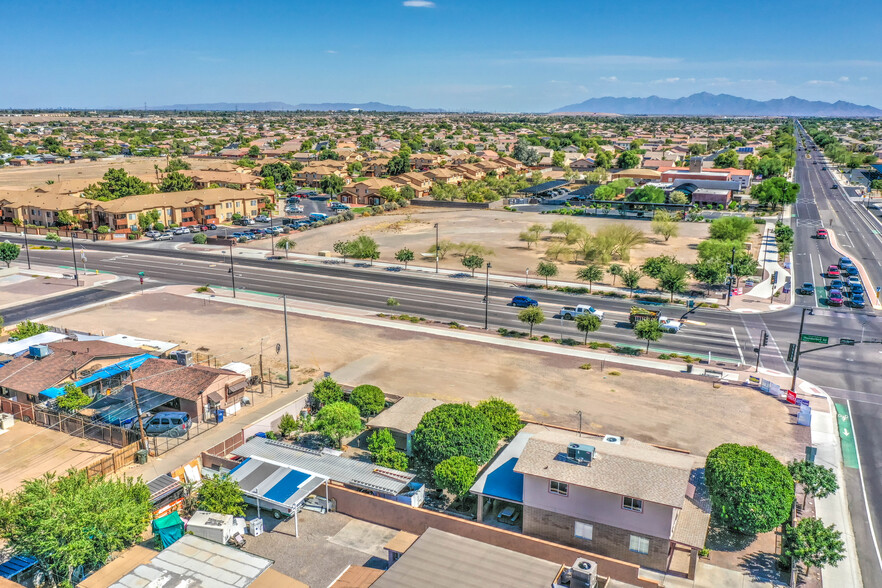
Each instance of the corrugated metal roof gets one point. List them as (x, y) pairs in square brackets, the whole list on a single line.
[(339, 469), (278, 483)]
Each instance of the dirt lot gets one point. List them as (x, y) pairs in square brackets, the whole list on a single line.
[(654, 408), (28, 451), (496, 229)]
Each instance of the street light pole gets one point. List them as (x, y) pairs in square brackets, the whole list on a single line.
[(76, 269), (487, 299), (287, 347), (27, 249), (731, 278), (526, 276), (437, 252), (798, 347), (232, 269)]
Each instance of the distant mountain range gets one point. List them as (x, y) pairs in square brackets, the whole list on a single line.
[(705, 103), (269, 106)]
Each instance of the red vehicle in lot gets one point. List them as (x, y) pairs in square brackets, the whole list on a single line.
[(832, 271), (821, 234)]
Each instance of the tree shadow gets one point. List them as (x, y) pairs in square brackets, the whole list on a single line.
[(763, 567), (721, 538)]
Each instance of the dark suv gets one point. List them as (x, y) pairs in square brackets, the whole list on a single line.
[(523, 301)]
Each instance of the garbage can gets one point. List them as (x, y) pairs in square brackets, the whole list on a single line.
[(220, 415), (688, 368), (141, 456)]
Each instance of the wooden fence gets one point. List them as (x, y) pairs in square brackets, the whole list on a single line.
[(114, 462), (72, 424)]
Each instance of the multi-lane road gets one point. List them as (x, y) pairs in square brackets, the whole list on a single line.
[(847, 372)]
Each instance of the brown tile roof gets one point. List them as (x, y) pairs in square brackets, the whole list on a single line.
[(169, 377), (357, 577)]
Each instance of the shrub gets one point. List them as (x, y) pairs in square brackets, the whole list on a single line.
[(585, 366), (451, 430), (502, 416), (287, 425), (456, 475), (200, 238), (337, 420), (326, 391), (369, 400)]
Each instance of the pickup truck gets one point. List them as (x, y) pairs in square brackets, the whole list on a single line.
[(641, 314), (571, 312)]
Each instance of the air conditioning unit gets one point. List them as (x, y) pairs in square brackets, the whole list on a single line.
[(584, 574), (184, 357), (580, 453), (39, 351), (616, 440)]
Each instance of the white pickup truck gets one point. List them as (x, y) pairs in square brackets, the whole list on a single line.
[(571, 312), (670, 325)]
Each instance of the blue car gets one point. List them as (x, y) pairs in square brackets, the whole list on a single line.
[(837, 285), (523, 301), (857, 300), (857, 289), (851, 270)]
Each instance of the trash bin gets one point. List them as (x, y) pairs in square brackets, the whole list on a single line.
[(220, 415), (141, 456), (688, 368)]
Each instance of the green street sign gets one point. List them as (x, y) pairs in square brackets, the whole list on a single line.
[(814, 339), (846, 341)]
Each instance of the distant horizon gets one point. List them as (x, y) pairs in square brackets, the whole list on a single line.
[(452, 54)]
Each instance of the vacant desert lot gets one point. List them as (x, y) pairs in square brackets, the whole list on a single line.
[(29, 451), (413, 227), (661, 409)]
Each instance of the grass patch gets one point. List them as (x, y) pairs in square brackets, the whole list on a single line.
[(456, 325), (513, 334), (600, 345), (614, 373), (626, 350), (585, 366), (203, 289)]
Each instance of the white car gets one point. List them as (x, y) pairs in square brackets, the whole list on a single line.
[(262, 218), (670, 325), (181, 231), (152, 234)]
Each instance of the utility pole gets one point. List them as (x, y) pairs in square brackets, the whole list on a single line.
[(232, 269), (287, 348), (138, 409), (76, 269), (261, 366), (27, 249), (798, 347), (437, 251), (487, 299), (731, 278), (579, 412)]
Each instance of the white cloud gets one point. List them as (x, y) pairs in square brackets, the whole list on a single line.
[(673, 81), (863, 78), (418, 4), (608, 60), (330, 51), (609, 79), (820, 83), (843, 79)]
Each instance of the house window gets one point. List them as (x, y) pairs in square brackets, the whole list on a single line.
[(254, 203), (639, 544), (584, 531), (132, 216), (560, 488), (229, 205), (634, 504)]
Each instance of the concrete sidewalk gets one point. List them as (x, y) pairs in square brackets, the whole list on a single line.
[(768, 257)]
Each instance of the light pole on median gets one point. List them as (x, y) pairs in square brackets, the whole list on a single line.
[(487, 299), (76, 269), (27, 249), (799, 346), (232, 269), (437, 251)]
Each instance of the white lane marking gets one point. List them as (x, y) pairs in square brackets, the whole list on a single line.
[(814, 290), (864, 487), (737, 346)]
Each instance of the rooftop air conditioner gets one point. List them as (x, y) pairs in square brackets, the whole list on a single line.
[(584, 574), (612, 439), (580, 453)]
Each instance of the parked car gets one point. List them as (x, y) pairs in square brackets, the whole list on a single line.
[(168, 424), (209, 227), (152, 234), (835, 298), (807, 289), (317, 216), (523, 301), (571, 312), (240, 222), (181, 231), (857, 300), (821, 234), (194, 228), (832, 271), (857, 289), (163, 237), (262, 218)]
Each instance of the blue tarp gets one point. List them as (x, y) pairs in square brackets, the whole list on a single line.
[(15, 565), (102, 374), (168, 529), (505, 483), (287, 486)]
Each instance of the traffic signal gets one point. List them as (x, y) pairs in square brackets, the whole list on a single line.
[(765, 338)]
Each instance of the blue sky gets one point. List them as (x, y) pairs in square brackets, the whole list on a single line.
[(461, 55)]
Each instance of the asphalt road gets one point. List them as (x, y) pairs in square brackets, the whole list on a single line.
[(74, 299)]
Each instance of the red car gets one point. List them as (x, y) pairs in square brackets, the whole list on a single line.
[(821, 234), (832, 271), (835, 298)]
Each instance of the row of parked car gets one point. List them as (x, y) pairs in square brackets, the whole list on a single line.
[(262, 233), (167, 235)]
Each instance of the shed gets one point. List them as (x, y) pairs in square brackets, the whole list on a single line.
[(402, 419), (283, 489), (239, 368)]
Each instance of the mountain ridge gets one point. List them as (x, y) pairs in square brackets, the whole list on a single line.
[(705, 103)]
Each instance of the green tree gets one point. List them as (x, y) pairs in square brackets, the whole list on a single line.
[(651, 194), (381, 440), (364, 247), (331, 184), (406, 193), (287, 425), (751, 162), (664, 224), (473, 262), (673, 279), (587, 323), (117, 184), (775, 191), (523, 152), (148, 219), (54, 239), (399, 164), (383, 453), (590, 273), (628, 160), (268, 183), (502, 416), (72, 521), (450, 430), (354, 168), (751, 491), (654, 267), (27, 329), (570, 230), (726, 159), (813, 544), (200, 238), (221, 494), (65, 219), (558, 159), (716, 250), (404, 255), (280, 172), (603, 159), (732, 228), (631, 279), (73, 398), (546, 269), (337, 420), (770, 166), (286, 243), (326, 391), (648, 330), (456, 475), (710, 272), (254, 152), (817, 480), (615, 270), (9, 252), (176, 182), (532, 315), (176, 164), (369, 400), (343, 248)]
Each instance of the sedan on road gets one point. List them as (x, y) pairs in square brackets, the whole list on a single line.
[(832, 271), (835, 298), (807, 289), (821, 234), (523, 301), (857, 289), (857, 300), (836, 285), (163, 237)]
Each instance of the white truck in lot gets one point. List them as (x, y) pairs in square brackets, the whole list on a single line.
[(571, 312)]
